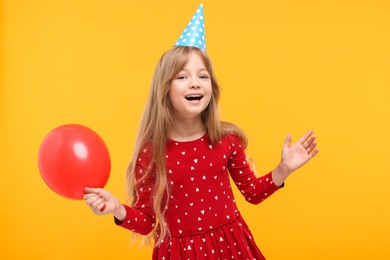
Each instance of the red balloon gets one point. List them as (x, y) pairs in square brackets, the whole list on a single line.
[(72, 157)]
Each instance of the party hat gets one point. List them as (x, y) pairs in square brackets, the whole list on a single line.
[(193, 34)]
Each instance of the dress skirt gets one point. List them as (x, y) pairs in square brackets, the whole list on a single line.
[(232, 240)]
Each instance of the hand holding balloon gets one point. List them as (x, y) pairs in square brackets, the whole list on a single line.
[(101, 202), (72, 157)]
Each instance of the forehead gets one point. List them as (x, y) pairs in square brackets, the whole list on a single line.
[(194, 60)]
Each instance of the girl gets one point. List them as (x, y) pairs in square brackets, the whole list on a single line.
[(178, 178)]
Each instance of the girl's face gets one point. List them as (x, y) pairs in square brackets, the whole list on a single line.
[(190, 91)]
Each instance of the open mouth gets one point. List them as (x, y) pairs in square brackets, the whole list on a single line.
[(194, 97)]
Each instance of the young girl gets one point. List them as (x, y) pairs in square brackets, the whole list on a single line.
[(179, 184)]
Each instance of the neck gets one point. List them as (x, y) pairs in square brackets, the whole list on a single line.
[(187, 130)]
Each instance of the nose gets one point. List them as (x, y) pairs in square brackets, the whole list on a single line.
[(195, 83)]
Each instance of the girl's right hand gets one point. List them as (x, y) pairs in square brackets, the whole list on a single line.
[(101, 202)]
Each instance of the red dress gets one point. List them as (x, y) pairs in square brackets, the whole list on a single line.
[(202, 214)]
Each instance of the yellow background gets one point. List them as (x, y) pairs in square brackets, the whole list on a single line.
[(284, 66)]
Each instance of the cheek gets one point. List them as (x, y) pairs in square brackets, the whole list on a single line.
[(210, 91), (170, 96), (209, 97), (174, 98), (172, 93)]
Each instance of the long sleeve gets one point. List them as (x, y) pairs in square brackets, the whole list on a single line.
[(141, 218), (254, 189)]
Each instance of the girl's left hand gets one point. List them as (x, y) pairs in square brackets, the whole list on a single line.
[(298, 154), (101, 202)]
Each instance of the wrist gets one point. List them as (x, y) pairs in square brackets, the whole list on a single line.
[(283, 170), (280, 174), (120, 213)]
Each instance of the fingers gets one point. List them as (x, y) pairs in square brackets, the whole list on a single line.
[(310, 146), (287, 142), (309, 143), (92, 200), (103, 207), (305, 137), (307, 140), (95, 202), (92, 190), (314, 153)]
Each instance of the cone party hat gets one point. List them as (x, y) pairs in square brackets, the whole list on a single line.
[(193, 34)]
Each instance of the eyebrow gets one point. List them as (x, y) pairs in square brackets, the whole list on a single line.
[(200, 70)]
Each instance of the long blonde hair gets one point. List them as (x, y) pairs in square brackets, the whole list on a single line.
[(156, 123)]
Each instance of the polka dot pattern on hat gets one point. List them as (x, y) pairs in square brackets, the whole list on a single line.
[(193, 34)]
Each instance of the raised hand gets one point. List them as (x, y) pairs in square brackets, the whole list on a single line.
[(295, 156), (299, 153)]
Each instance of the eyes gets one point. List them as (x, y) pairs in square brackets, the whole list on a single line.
[(186, 76)]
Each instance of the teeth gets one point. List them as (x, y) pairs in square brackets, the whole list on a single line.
[(194, 97)]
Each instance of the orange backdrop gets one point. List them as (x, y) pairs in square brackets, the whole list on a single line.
[(284, 66)]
